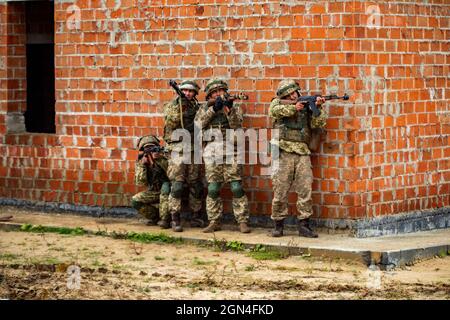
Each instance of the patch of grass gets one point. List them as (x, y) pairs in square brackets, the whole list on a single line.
[(97, 263), (283, 268), (200, 262), (267, 255), (250, 268), (442, 253), (101, 233), (118, 267), (145, 237), (52, 260), (260, 252), (235, 245), (192, 285), (93, 254), (140, 259), (159, 258), (78, 231), (9, 256)]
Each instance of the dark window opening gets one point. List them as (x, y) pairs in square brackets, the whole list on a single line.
[(40, 53)]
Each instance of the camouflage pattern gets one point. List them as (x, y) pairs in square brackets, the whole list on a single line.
[(294, 170), (221, 173), (214, 207), (174, 119), (278, 111), (286, 87), (215, 84), (206, 115), (147, 140), (151, 203), (191, 174)]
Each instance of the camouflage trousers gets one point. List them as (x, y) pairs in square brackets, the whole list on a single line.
[(180, 173), (152, 205), (217, 175), (294, 171)]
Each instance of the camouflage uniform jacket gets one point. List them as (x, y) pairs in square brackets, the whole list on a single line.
[(278, 111), (152, 176), (206, 114), (172, 122)]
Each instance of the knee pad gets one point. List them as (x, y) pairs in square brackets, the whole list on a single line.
[(177, 189), (214, 190), (198, 190), (165, 188), (236, 188), (136, 204)]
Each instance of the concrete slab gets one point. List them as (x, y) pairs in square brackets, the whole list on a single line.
[(385, 251)]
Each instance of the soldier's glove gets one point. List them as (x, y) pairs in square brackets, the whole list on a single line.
[(218, 104)]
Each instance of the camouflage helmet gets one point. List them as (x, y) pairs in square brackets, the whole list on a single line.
[(147, 140), (286, 87), (215, 84), (189, 85)]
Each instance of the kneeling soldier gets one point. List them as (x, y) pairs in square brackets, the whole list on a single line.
[(151, 171)]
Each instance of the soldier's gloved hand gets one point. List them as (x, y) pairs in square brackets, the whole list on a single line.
[(218, 105)]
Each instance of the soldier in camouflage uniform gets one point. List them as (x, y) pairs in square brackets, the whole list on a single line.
[(295, 123), (180, 114), (151, 171), (221, 116)]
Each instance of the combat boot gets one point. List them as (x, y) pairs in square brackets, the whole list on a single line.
[(213, 226), (243, 227), (176, 222), (304, 230), (278, 230), (153, 221), (164, 223), (197, 221)]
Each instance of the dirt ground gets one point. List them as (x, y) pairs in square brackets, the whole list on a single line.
[(54, 266)]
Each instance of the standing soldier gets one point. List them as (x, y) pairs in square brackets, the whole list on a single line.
[(151, 171), (295, 122), (220, 116), (180, 114)]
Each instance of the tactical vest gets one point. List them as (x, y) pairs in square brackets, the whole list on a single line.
[(295, 128), (188, 119), (219, 120)]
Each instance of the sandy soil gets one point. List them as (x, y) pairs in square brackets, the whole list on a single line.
[(45, 266)]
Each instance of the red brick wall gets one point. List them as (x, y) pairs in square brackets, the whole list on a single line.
[(12, 61), (386, 151)]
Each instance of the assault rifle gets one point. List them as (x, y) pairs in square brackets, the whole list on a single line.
[(149, 149), (229, 97), (311, 101)]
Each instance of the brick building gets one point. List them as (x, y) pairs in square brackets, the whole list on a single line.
[(81, 80)]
